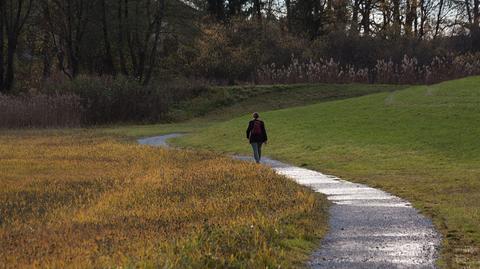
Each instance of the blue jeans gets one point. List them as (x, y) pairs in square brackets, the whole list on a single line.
[(257, 151)]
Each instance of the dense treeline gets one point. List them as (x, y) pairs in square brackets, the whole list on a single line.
[(83, 36), (53, 42), (220, 39)]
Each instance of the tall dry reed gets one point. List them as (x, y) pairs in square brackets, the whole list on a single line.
[(40, 110), (407, 71)]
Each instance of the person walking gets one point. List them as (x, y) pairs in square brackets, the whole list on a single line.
[(257, 135)]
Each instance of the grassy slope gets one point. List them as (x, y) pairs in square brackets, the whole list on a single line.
[(83, 200), (421, 144), (228, 102)]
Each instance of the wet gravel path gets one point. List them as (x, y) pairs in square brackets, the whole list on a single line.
[(369, 228)]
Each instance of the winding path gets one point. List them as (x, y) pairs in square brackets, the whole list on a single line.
[(369, 228)]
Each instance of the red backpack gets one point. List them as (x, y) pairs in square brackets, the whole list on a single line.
[(257, 128)]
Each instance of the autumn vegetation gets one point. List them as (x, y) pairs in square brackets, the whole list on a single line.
[(124, 52), (408, 71), (85, 200), (40, 110)]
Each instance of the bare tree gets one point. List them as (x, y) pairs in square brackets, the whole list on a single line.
[(439, 18), (366, 12), (355, 12), (397, 20), (14, 15), (67, 25), (410, 17), (2, 43), (109, 68)]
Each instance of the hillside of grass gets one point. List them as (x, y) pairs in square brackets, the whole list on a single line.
[(222, 103), (79, 199), (421, 143)]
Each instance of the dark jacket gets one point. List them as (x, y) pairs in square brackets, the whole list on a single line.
[(253, 137)]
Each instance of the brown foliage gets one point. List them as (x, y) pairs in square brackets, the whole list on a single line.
[(408, 71), (40, 110), (325, 71)]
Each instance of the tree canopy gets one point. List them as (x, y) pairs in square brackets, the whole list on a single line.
[(222, 39)]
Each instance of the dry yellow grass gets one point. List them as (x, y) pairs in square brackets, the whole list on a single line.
[(83, 200)]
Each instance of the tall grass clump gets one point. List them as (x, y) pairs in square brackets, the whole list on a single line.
[(40, 110), (90, 100), (119, 99), (407, 71), (322, 71)]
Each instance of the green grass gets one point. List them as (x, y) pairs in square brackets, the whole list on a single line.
[(421, 143), (221, 103), (225, 102), (134, 131)]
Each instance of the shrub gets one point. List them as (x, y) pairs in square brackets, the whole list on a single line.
[(110, 100), (232, 52), (91, 100), (40, 110)]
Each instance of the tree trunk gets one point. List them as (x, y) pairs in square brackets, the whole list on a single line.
[(397, 21), (108, 58), (367, 7), (439, 18), (216, 9), (2, 26), (11, 29), (415, 17), (354, 24), (422, 19), (72, 59), (384, 7), (289, 15), (10, 74), (142, 47), (408, 18), (153, 54), (121, 41), (476, 15), (475, 29), (47, 57), (317, 20), (257, 9)]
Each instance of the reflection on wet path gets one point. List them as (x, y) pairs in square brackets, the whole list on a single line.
[(369, 228)]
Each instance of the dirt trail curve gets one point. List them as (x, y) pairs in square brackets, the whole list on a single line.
[(369, 228)]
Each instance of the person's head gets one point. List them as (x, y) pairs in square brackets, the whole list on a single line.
[(255, 115)]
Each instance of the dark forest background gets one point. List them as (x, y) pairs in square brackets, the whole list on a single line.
[(126, 60)]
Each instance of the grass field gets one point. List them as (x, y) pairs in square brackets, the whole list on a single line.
[(222, 103), (88, 195), (421, 143), (91, 199), (85, 200)]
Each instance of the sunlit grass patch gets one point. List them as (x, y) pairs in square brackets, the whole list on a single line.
[(88, 200)]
